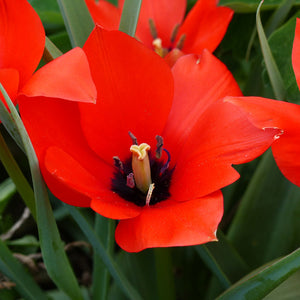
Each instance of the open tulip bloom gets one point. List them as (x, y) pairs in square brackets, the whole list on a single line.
[(271, 113), (162, 27), (156, 147)]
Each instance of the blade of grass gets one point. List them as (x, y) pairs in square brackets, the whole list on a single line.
[(17, 176), (130, 16), (104, 228), (274, 74), (55, 258), (261, 284), (78, 20), (25, 285), (109, 262)]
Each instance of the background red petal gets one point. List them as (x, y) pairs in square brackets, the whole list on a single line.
[(204, 26), (169, 224), (296, 53), (22, 38), (104, 13)]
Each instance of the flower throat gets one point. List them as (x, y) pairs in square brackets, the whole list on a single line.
[(143, 179)]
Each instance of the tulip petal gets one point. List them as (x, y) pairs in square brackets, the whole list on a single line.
[(9, 78), (135, 91), (67, 77), (266, 113), (56, 123), (22, 38), (104, 13), (204, 26), (204, 164), (199, 81), (296, 53), (170, 223)]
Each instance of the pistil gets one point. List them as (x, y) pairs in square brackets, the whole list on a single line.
[(141, 166)]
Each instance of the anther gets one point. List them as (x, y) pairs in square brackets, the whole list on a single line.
[(180, 42), (130, 180), (133, 138), (160, 143), (118, 163), (174, 33), (153, 30), (166, 165), (149, 194)]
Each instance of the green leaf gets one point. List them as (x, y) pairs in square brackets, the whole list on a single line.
[(7, 190), (130, 16), (14, 171), (262, 282), (243, 6), (281, 44), (223, 260), (109, 262), (78, 20), (25, 285), (273, 72), (104, 228), (288, 290), (266, 225), (55, 258)]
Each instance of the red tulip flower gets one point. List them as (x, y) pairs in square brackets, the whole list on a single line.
[(162, 26), (22, 42), (154, 150), (267, 113)]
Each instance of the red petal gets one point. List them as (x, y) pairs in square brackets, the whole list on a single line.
[(22, 37), (271, 113), (135, 91), (204, 26), (68, 77), (296, 53), (9, 78), (104, 13), (223, 136), (165, 14), (56, 123), (168, 224), (110, 205), (199, 81)]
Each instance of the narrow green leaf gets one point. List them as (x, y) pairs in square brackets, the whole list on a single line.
[(266, 225), (274, 74), (246, 6), (104, 229), (130, 16), (25, 285), (164, 274), (16, 174), (51, 51), (213, 265), (78, 20), (279, 15), (109, 262), (55, 258), (7, 190), (257, 286)]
